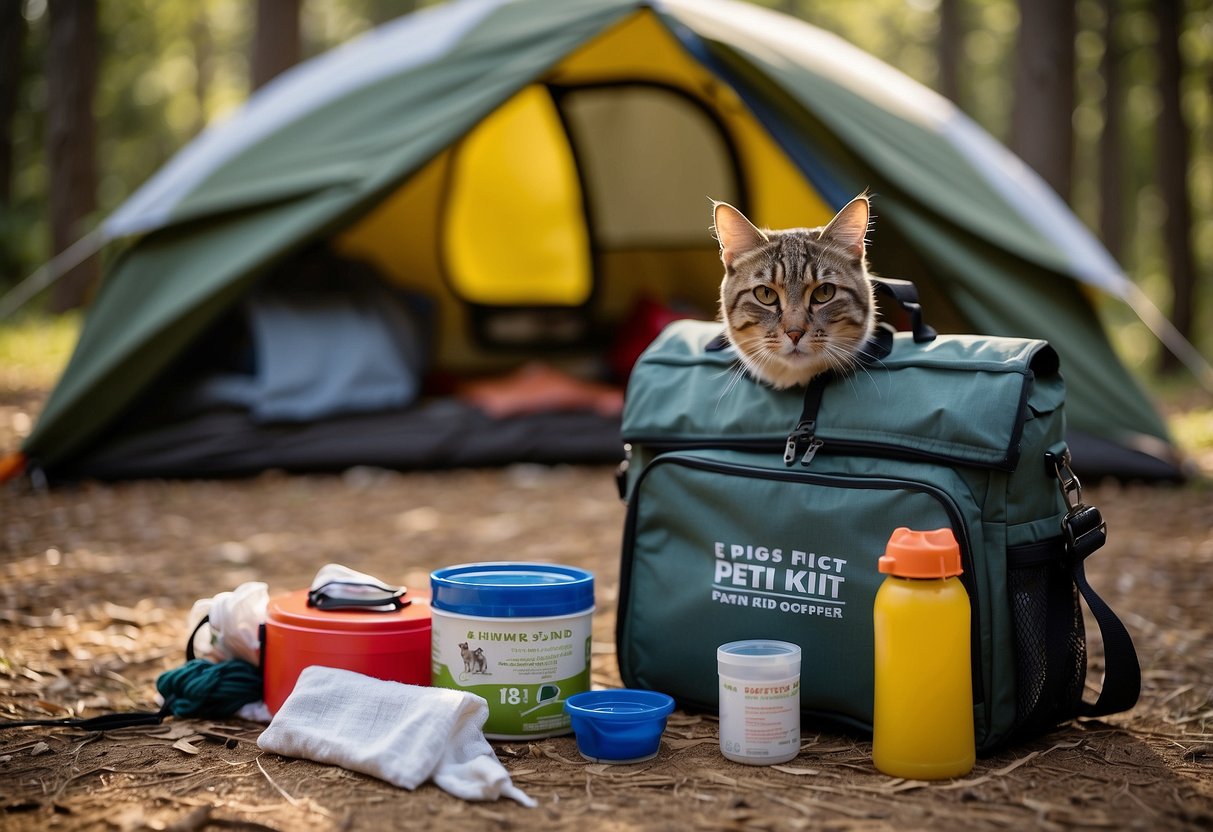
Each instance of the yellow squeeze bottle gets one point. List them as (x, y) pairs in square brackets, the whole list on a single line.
[(922, 722)]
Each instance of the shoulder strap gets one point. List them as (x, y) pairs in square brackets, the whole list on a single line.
[(1085, 532)]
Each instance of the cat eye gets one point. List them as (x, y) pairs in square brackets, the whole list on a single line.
[(766, 295), (823, 292)]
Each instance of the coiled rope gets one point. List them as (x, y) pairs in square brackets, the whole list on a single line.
[(196, 689), (209, 689)]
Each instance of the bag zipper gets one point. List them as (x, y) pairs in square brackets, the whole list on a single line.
[(803, 439), (950, 508), (804, 442)]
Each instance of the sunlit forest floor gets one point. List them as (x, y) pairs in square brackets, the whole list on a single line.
[(96, 582)]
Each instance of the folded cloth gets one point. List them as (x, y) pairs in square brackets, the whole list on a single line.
[(404, 734)]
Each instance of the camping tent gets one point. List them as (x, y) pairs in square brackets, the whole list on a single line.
[(525, 179)]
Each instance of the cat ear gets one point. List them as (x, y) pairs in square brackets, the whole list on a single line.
[(850, 226), (736, 234)]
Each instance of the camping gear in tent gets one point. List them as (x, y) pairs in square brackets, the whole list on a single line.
[(486, 184)]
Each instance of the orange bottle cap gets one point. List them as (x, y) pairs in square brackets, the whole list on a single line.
[(921, 554)]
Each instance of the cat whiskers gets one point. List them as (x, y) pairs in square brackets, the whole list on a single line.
[(840, 359), (760, 358), (867, 370), (845, 361), (737, 371), (766, 354)]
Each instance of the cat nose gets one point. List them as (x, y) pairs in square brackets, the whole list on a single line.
[(795, 335)]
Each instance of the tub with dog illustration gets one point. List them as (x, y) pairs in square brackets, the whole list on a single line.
[(517, 634)]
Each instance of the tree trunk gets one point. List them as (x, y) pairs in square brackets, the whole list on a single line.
[(275, 39), (1172, 154), (1111, 140), (949, 47), (12, 40), (1042, 131), (71, 75), (204, 64)]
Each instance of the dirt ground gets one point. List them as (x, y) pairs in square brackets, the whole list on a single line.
[(97, 581)]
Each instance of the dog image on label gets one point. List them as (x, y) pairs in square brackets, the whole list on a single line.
[(474, 660)]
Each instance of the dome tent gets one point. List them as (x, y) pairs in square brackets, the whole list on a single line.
[(534, 170)]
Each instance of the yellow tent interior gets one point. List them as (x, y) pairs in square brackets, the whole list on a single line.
[(591, 204)]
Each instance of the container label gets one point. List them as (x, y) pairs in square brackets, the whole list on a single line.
[(759, 721), (524, 669)]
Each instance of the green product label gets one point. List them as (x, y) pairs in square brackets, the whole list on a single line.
[(524, 669)]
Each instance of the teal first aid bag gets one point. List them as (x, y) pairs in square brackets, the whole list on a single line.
[(756, 513)]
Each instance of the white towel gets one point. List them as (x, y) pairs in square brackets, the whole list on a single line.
[(404, 734)]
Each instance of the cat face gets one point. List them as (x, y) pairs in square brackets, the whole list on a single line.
[(795, 302)]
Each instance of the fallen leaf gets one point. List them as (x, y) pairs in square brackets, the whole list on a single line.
[(52, 708), (796, 770), (174, 731), (183, 744), (39, 749)]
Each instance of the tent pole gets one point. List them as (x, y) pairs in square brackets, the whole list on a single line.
[(1170, 337), (50, 272)]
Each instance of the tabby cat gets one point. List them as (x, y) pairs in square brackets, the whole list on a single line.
[(796, 302)]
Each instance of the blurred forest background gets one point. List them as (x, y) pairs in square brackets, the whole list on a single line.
[(1110, 100)]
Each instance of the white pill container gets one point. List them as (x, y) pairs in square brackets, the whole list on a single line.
[(759, 701)]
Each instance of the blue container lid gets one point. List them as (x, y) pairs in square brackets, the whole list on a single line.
[(512, 589)]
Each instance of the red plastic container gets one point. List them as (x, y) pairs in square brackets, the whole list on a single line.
[(394, 645)]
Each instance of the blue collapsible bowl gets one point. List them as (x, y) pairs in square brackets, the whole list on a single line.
[(618, 726)]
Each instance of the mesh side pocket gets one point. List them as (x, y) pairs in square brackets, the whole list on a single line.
[(1050, 639)]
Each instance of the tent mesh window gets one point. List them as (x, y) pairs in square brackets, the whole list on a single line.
[(651, 158), (540, 190)]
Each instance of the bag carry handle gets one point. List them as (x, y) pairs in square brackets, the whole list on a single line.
[(905, 294), (1085, 532)]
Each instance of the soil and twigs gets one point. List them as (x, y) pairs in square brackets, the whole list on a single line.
[(97, 581)]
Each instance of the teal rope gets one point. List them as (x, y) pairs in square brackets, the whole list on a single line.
[(208, 689)]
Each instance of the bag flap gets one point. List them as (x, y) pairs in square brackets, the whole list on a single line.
[(960, 397)]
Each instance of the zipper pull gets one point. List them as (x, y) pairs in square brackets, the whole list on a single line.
[(795, 439), (810, 452), (789, 450), (806, 430)]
